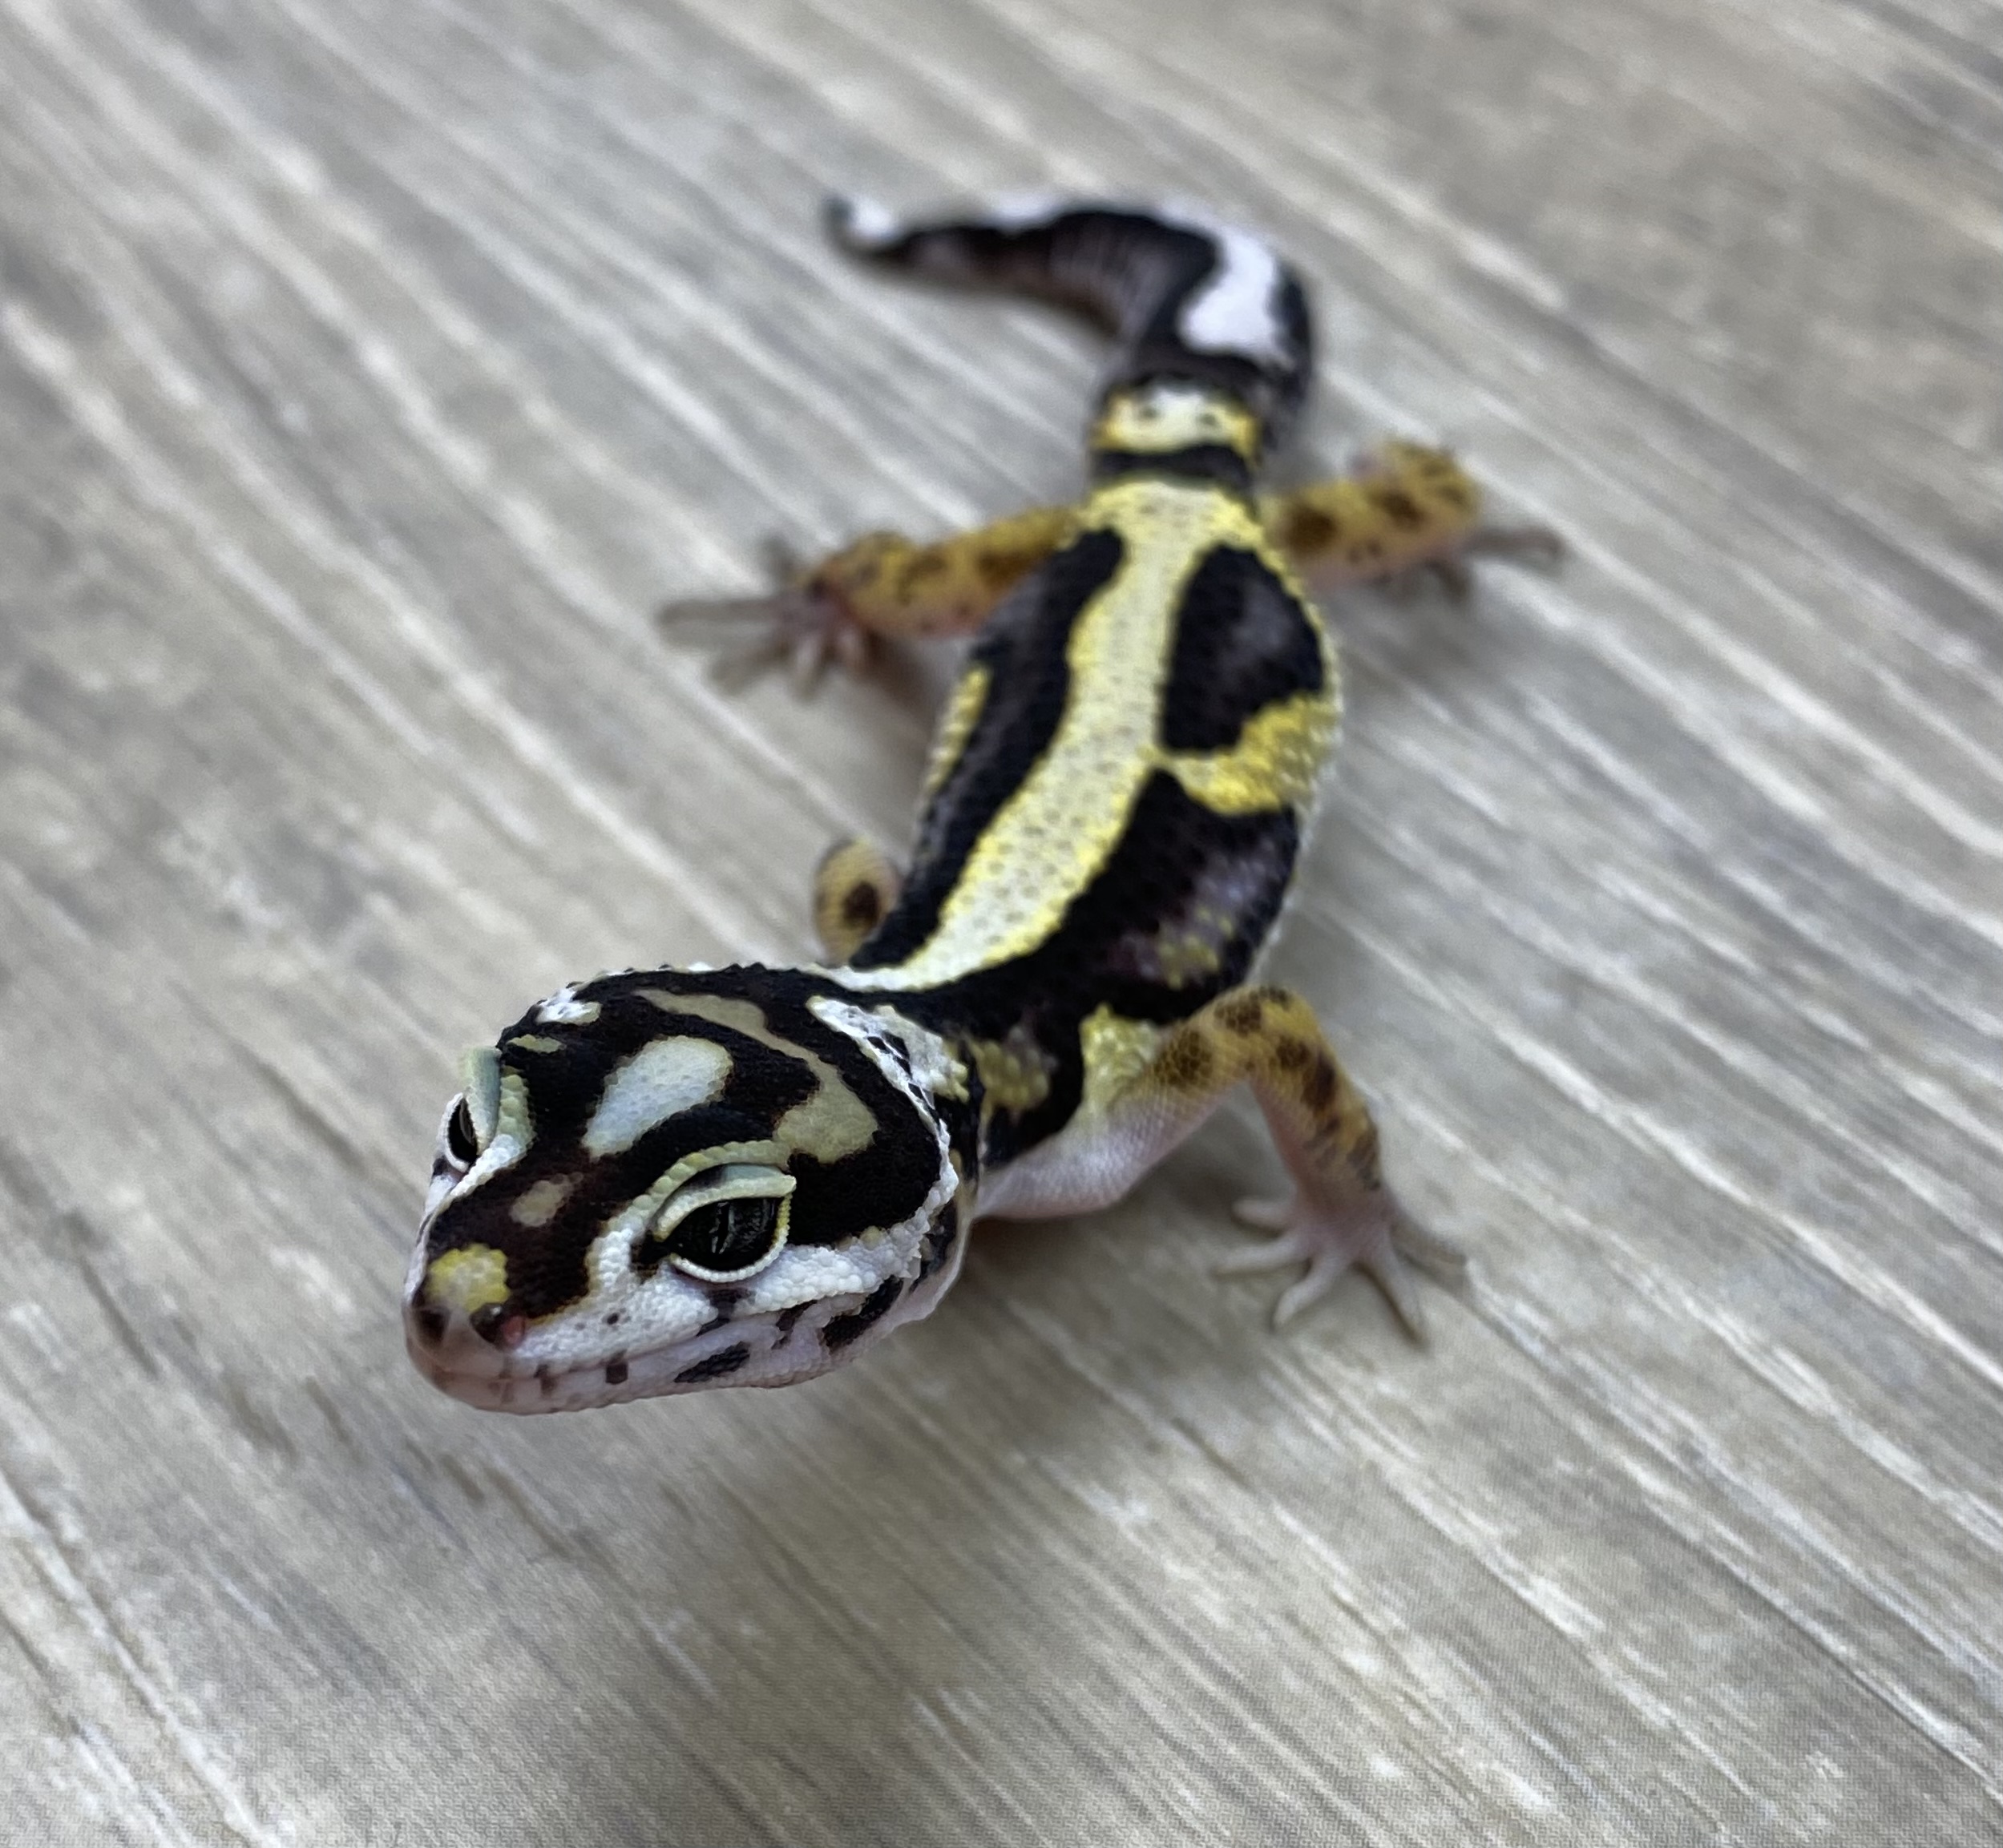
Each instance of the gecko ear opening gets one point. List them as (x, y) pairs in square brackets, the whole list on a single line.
[(725, 1224)]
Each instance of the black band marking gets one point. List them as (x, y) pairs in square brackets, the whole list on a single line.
[(1212, 464), (723, 1361), (939, 1240), (1135, 271), (1174, 849), (1023, 648), (841, 1329), (1242, 642), (724, 1302)]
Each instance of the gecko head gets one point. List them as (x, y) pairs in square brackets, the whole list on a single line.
[(662, 1181)]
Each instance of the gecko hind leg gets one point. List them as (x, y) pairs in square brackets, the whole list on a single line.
[(1372, 1231), (1341, 1215), (854, 887)]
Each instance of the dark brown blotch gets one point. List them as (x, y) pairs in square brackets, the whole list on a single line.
[(1184, 1062), (922, 569), (1308, 529), (861, 905), (616, 1372), (1398, 507), (1291, 1055), (858, 571), (1318, 1088), (1242, 1013)]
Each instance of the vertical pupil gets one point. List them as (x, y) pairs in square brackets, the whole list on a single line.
[(726, 1234), (463, 1146)]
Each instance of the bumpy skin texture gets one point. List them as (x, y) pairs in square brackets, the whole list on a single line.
[(664, 1181)]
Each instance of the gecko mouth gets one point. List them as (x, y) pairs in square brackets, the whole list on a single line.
[(746, 1355), (767, 1351)]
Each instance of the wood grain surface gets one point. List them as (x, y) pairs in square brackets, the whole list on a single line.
[(370, 371)]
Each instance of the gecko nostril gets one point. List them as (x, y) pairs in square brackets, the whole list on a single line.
[(429, 1324), (493, 1324)]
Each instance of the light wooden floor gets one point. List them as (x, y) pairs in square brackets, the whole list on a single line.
[(369, 370)]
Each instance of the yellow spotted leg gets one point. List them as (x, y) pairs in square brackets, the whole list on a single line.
[(883, 584), (854, 887), (1341, 1213), (1406, 508)]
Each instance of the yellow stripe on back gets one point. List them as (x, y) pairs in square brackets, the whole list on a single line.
[(1055, 833)]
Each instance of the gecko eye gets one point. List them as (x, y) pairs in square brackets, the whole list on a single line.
[(461, 1144), (727, 1224), (477, 1115), (725, 1238)]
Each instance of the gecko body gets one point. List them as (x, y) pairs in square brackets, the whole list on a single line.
[(663, 1181)]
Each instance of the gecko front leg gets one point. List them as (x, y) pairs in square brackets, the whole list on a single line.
[(883, 584)]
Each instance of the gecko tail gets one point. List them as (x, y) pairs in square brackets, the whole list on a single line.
[(1183, 296)]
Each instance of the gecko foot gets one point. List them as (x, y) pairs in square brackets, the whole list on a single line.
[(1540, 546), (1367, 1231), (807, 626)]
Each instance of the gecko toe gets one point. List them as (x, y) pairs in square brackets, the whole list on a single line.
[(1295, 1246), (1432, 1251), (1266, 1215), (1368, 1233)]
